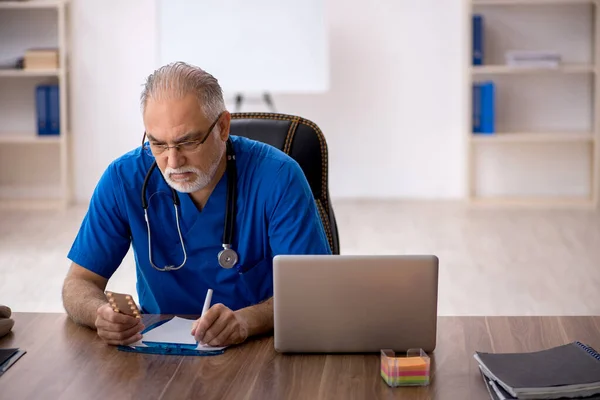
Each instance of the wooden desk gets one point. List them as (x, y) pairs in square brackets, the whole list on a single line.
[(66, 361)]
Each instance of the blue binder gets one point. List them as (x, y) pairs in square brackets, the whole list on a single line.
[(47, 105), (41, 110), (476, 108), (478, 39), (172, 349), (53, 110), (484, 104)]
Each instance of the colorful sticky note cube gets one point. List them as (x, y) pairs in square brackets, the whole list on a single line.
[(411, 369)]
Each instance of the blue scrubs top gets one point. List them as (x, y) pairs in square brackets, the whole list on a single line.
[(276, 214)]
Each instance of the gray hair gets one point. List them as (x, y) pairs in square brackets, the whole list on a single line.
[(178, 79)]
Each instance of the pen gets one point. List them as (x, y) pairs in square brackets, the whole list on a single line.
[(207, 302)]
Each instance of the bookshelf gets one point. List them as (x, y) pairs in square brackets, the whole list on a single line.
[(33, 168), (544, 147)]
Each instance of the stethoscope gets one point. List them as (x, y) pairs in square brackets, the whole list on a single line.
[(227, 257)]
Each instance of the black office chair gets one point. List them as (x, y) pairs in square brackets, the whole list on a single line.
[(302, 140)]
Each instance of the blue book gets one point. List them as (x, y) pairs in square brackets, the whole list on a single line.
[(53, 110), (476, 108), (477, 39), (484, 107), (41, 109), (488, 107)]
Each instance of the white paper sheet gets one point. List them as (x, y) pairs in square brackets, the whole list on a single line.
[(176, 331)]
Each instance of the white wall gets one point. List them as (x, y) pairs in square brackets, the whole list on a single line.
[(112, 51), (393, 119)]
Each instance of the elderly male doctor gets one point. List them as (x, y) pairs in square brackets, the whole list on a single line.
[(177, 248)]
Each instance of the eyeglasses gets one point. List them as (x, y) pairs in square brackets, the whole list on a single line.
[(186, 147)]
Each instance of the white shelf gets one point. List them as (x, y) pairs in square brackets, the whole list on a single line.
[(507, 69), (28, 4), (29, 138), (533, 137), (21, 73), (527, 2)]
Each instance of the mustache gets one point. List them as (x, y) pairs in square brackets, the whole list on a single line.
[(182, 170)]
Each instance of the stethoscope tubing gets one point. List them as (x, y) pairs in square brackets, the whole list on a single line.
[(227, 257)]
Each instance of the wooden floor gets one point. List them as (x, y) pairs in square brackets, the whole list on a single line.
[(492, 261)]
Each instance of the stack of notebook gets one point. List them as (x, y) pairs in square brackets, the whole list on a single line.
[(8, 357), (570, 371)]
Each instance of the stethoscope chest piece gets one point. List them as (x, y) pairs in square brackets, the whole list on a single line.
[(227, 257)]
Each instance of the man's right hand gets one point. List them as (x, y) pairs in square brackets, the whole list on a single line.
[(116, 328)]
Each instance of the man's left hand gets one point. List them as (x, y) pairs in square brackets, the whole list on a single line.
[(220, 326)]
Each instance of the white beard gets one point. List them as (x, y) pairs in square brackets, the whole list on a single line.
[(197, 182)]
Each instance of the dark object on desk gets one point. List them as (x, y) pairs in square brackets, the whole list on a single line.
[(496, 391), (6, 323), (8, 357), (5, 354), (567, 371), (5, 312), (302, 140)]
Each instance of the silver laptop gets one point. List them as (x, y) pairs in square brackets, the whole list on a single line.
[(354, 304)]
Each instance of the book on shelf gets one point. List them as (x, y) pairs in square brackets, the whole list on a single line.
[(532, 58), (484, 103), (42, 58), (47, 107), (477, 25)]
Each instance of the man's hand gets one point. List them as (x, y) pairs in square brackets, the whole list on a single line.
[(220, 327), (116, 328)]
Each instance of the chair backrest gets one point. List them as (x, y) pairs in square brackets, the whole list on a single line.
[(302, 140)]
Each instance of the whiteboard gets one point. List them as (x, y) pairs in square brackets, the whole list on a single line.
[(250, 46)]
